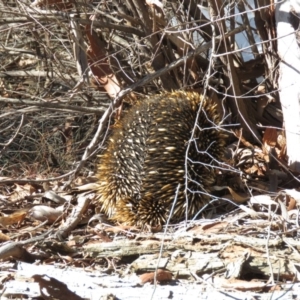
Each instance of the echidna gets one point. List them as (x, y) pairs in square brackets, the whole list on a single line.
[(145, 159)]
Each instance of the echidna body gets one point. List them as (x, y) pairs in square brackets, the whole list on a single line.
[(145, 159)]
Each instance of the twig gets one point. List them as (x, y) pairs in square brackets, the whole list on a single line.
[(162, 241), (22, 181), (55, 106), (16, 250), (74, 218), (13, 137)]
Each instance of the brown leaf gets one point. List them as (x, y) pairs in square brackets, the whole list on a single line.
[(270, 137), (215, 227), (14, 218), (4, 237), (99, 64), (161, 276), (281, 140), (236, 197), (291, 203)]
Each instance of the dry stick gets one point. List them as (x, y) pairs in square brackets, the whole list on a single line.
[(163, 240), (93, 144), (13, 137), (209, 72), (123, 28), (18, 50), (46, 15), (43, 17), (16, 249), (74, 218), (268, 254), (55, 106), (23, 181), (35, 73)]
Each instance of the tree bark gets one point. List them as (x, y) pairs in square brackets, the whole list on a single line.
[(287, 23)]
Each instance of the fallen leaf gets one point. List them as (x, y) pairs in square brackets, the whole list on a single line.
[(160, 275), (237, 284), (236, 197), (4, 237), (21, 191), (43, 213), (270, 138), (14, 218), (213, 227)]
